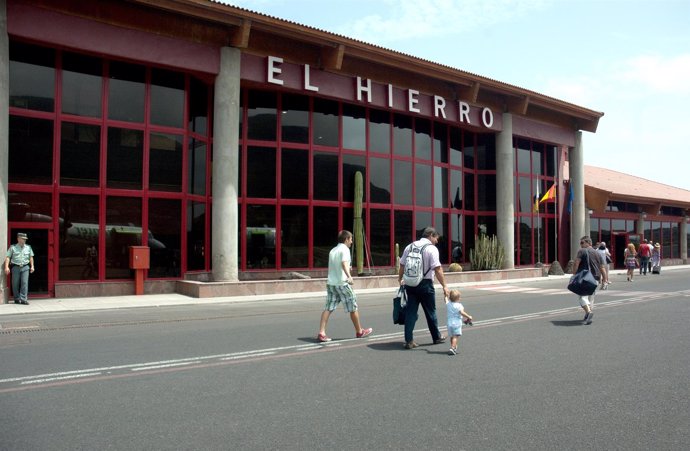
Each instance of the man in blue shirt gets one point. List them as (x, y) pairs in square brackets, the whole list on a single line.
[(20, 262)]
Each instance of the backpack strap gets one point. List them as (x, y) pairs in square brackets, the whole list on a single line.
[(421, 252)]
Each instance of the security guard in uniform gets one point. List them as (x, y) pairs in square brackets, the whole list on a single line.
[(20, 261)]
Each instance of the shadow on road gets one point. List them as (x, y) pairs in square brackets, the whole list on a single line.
[(576, 322)]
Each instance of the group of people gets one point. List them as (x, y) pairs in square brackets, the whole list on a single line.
[(339, 290), (647, 258)]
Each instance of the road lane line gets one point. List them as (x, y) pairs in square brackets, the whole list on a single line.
[(51, 379), (169, 365)]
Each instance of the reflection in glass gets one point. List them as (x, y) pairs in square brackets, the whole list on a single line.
[(354, 127), (167, 98), (294, 242), (379, 131), (325, 121), (402, 135), (29, 207), (261, 115), (197, 167), (456, 189), (524, 164), (402, 179), (469, 191), (32, 77), (30, 150), (126, 92), (81, 85), (123, 229), (423, 185), (165, 237), (440, 143), (422, 139), (325, 176), (380, 237), (294, 119), (294, 174), (456, 146), (486, 192), (165, 162), (198, 106), (440, 187), (125, 158), (80, 154), (486, 152), (261, 236), (441, 225), (403, 228), (79, 234), (196, 236), (325, 234), (422, 221), (352, 164), (261, 172), (379, 180)]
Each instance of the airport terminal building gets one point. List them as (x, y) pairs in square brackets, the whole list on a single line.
[(228, 141)]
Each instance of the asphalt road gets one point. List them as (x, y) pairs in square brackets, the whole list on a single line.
[(251, 375)]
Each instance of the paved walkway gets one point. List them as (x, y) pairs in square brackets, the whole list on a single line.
[(160, 300)]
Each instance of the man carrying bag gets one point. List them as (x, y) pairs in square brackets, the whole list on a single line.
[(588, 269)]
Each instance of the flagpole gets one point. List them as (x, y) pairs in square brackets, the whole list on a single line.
[(555, 225), (538, 225)]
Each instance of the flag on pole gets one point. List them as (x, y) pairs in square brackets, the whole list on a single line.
[(550, 195), (570, 198)]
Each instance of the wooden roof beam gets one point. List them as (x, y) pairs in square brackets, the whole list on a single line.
[(470, 93), (240, 36), (332, 57)]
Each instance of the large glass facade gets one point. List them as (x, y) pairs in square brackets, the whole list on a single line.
[(299, 184), (129, 148)]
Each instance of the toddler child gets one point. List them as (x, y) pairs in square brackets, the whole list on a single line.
[(455, 312)]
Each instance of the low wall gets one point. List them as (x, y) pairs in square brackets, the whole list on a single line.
[(198, 289)]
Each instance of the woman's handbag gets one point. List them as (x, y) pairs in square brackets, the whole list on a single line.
[(583, 283), (399, 304)]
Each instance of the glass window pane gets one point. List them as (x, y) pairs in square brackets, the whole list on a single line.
[(294, 174), (197, 166), (82, 78), (523, 157), (422, 139), (352, 164), (80, 154), (125, 158), (402, 135), (165, 237), (380, 237), (456, 189), (32, 77), (486, 152), (123, 229), (261, 236), (440, 143), (167, 98), (468, 150), (379, 131), (423, 220), (294, 243), (456, 146), (294, 119), (29, 207), (403, 229), (325, 234), (423, 185), (325, 121), (325, 176), (486, 192), (552, 162), (469, 191), (456, 239), (441, 225), (165, 162), (441, 188), (354, 127), (402, 179), (30, 150), (198, 106), (537, 150), (261, 172), (379, 180), (261, 115), (126, 92), (524, 195), (79, 231), (196, 236)]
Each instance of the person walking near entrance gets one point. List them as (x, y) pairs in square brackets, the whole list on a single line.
[(339, 287), (423, 293), (606, 256), (20, 262), (644, 252), (587, 255), (630, 259)]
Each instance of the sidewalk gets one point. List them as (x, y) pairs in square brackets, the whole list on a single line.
[(50, 305)]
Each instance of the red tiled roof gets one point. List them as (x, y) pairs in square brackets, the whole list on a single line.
[(620, 184)]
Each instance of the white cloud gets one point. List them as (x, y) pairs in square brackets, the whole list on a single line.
[(663, 74)]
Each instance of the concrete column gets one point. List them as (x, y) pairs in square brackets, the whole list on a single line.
[(639, 226), (505, 196), (226, 119), (684, 239), (4, 135), (577, 180)]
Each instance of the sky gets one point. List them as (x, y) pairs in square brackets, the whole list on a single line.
[(628, 59)]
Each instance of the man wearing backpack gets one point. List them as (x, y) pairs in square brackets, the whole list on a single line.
[(418, 266)]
